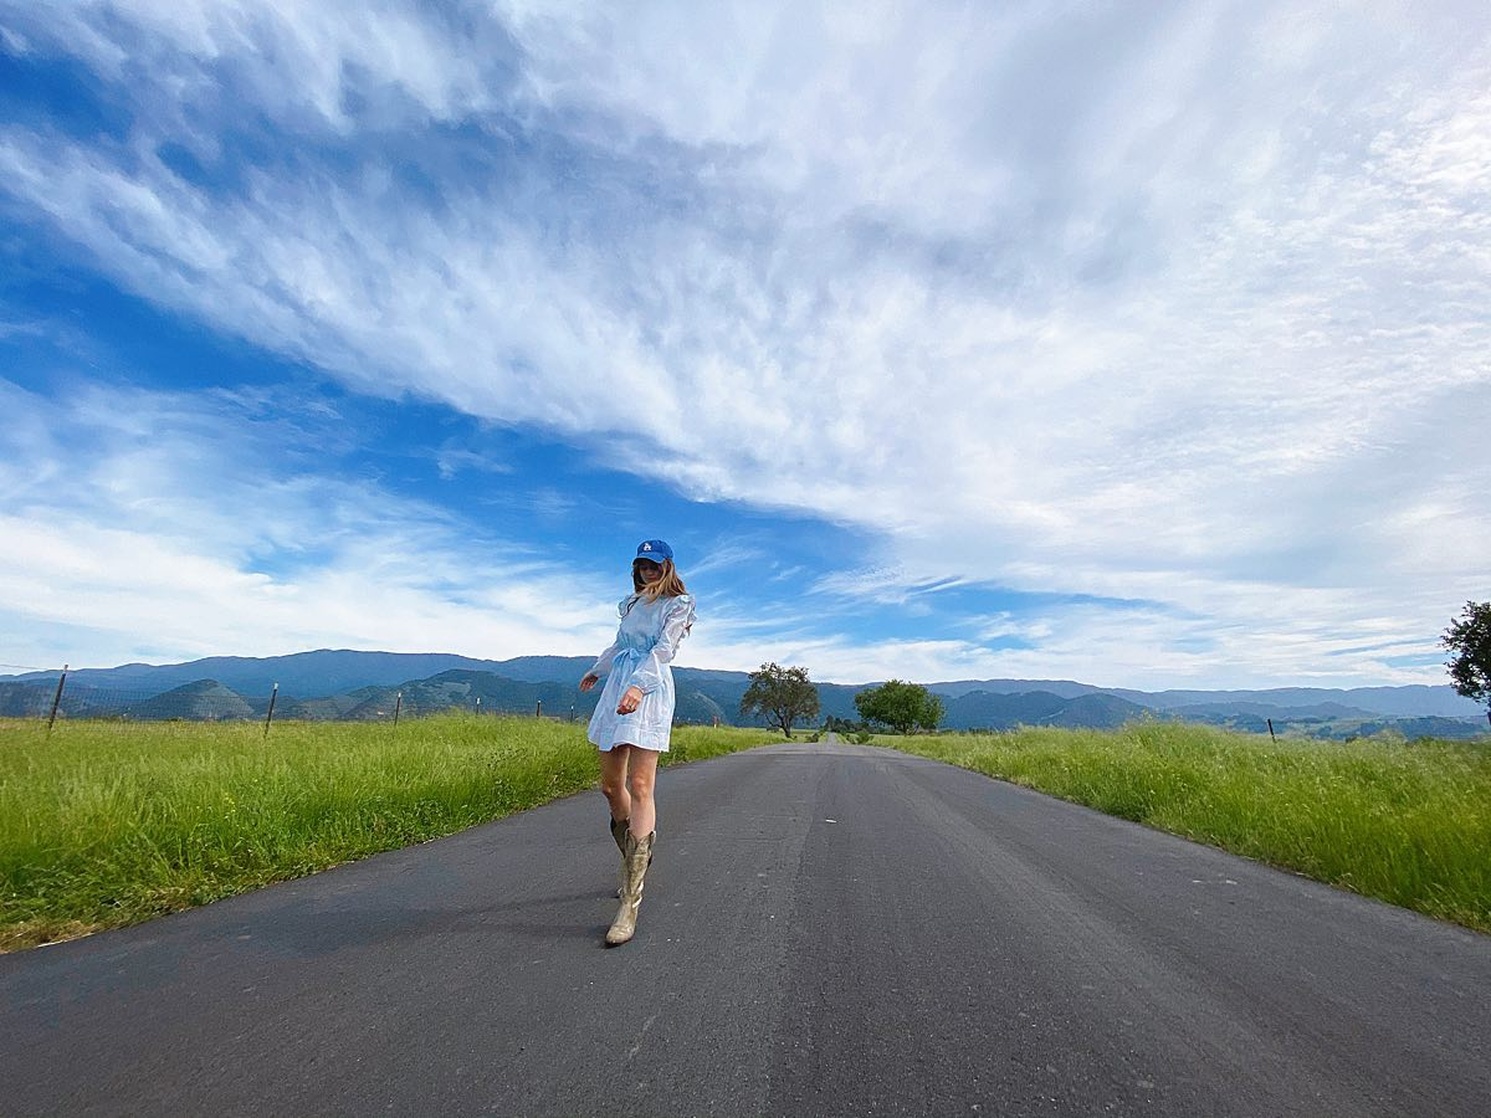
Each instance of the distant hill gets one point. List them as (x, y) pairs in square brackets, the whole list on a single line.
[(987, 710), (26, 699), (470, 690), (1097, 710), (1061, 688), (203, 700), (1214, 711), (1410, 701), (324, 672), (992, 710), (342, 683)]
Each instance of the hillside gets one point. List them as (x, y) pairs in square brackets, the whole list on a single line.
[(338, 684)]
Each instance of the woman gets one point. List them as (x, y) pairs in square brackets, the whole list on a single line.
[(634, 715)]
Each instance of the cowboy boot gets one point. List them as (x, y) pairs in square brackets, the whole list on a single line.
[(618, 832), (638, 858)]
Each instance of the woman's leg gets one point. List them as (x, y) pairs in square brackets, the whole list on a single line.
[(613, 780), (641, 778), (636, 846)]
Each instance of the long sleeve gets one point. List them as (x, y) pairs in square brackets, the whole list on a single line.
[(604, 661), (677, 620), (646, 643)]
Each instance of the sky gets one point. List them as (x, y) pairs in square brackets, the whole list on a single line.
[(1146, 345)]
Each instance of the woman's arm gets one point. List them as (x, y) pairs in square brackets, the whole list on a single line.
[(601, 666)]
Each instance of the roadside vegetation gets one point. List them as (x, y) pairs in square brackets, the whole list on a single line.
[(1406, 823), (104, 824)]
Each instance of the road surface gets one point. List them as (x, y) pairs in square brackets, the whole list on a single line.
[(827, 930)]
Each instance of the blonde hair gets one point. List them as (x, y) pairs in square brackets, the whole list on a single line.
[(668, 585)]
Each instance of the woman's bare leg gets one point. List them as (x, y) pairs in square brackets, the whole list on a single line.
[(641, 778), (613, 780)]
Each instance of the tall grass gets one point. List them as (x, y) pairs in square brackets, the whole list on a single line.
[(105, 824), (1409, 824)]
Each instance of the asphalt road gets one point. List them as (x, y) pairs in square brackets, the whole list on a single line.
[(827, 930)]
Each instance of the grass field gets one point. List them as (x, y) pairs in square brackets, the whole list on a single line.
[(1409, 824), (105, 824)]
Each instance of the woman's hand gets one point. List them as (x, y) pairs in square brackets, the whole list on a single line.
[(631, 699), (589, 681)]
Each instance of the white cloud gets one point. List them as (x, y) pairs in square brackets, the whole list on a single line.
[(293, 58), (1186, 307), (137, 591), (188, 525)]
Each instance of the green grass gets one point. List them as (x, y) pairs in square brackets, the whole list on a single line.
[(104, 824), (1409, 824)]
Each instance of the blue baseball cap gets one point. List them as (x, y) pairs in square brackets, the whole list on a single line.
[(656, 550)]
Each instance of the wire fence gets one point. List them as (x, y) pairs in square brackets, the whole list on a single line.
[(58, 696)]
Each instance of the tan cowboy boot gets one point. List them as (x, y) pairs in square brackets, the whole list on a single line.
[(618, 832), (638, 858)]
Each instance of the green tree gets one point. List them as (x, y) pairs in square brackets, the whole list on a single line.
[(1469, 642), (903, 707), (783, 695)]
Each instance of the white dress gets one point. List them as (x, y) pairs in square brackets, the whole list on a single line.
[(645, 645)]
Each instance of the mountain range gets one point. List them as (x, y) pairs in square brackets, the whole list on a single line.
[(344, 684)]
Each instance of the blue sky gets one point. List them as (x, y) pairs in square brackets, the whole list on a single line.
[(1140, 345)]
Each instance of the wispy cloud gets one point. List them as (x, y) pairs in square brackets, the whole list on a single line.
[(1183, 307), (182, 519)]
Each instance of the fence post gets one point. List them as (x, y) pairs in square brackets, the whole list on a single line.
[(268, 718), (56, 700), (1271, 737), (539, 710), (397, 703)]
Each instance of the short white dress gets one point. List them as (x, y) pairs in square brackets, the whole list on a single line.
[(646, 643)]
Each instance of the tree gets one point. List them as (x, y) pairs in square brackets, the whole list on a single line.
[(783, 695), (1469, 640), (901, 706)]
